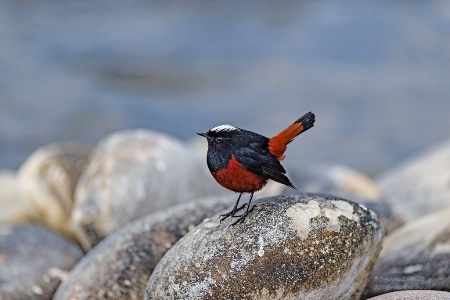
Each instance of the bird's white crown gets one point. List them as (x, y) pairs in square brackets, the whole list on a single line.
[(224, 128)]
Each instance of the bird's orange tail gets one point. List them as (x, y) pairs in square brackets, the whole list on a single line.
[(278, 143)]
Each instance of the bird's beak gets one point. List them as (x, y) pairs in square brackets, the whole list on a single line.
[(203, 134)]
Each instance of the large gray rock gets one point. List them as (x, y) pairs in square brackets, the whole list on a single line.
[(131, 174), (33, 261), (119, 266), (48, 178), (347, 183), (420, 185), (13, 206), (290, 247), (414, 256)]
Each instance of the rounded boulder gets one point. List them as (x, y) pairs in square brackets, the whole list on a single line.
[(289, 247), (130, 174)]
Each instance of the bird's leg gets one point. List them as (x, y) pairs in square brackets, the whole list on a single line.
[(247, 211), (234, 210)]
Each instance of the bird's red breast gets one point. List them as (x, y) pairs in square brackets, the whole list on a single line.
[(236, 178)]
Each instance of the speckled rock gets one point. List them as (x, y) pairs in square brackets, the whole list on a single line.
[(414, 295), (48, 178), (33, 261), (13, 206), (120, 265), (290, 247), (347, 183), (414, 256), (420, 185), (133, 173)]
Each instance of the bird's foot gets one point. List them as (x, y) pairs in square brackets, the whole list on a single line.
[(243, 216), (232, 212)]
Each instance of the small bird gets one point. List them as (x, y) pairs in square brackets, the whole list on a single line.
[(243, 161)]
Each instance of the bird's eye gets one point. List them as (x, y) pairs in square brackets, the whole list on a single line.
[(218, 139)]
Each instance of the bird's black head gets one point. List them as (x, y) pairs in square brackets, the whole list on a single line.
[(223, 140), (222, 137), (226, 140)]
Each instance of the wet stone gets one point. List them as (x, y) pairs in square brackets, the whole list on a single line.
[(121, 264), (290, 247), (33, 261)]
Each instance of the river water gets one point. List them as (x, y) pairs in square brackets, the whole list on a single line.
[(376, 74)]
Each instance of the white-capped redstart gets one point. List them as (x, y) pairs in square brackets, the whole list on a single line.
[(243, 161)]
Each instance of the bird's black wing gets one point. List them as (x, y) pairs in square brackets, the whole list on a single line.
[(256, 158)]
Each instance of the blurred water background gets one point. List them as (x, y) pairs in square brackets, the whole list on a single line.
[(376, 74)]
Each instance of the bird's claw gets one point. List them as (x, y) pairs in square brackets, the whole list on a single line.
[(232, 212), (243, 216)]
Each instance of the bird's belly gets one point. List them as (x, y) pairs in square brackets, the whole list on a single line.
[(234, 177)]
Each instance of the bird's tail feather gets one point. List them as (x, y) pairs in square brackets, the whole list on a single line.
[(278, 143)]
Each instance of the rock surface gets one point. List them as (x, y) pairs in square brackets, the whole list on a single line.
[(119, 266), (290, 247), (33, 261), (48, 178), (13, 206), (133, 173), (414, 256), (420, 185), (347, 183), (414, 295)]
